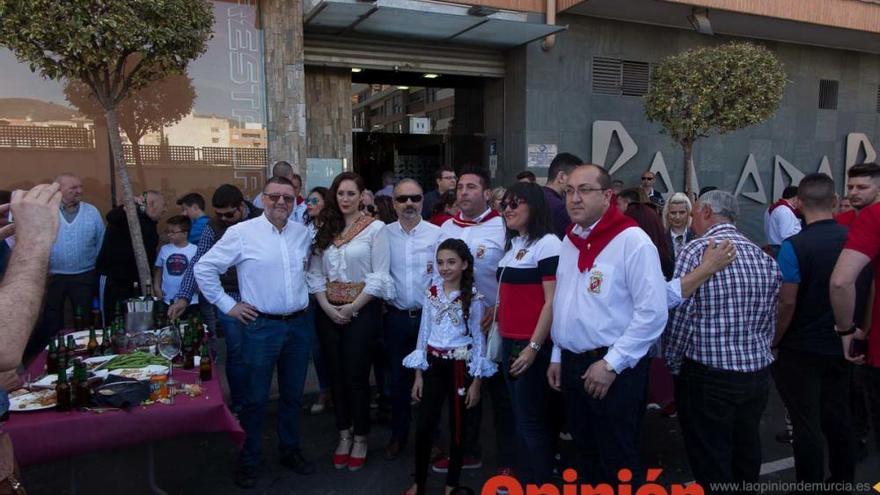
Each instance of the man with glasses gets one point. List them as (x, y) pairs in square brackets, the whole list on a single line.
[(230, 208), (609, 309), (446, 179), (269, 254), (412, 242), (284, 169), (648, 186)]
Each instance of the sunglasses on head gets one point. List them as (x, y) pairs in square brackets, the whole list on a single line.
[(276, 197), (415, 198), (511, 203)]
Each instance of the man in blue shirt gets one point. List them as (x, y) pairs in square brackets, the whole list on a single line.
[(193, 206)]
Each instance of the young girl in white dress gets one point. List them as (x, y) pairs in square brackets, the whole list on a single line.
[(449, 358)]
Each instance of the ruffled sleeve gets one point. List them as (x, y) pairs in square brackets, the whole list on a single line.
[(316, 279), (378, 282), (418, 359), (479, 366)]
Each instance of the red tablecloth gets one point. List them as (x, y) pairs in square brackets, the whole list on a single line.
[(43, 436)]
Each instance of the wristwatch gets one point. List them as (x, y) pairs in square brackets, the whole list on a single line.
[(535, 346), (851, 330)]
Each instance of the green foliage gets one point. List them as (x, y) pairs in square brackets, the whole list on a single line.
[(714, 90), (113, 46)]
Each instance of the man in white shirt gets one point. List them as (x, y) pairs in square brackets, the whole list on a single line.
[(412, 241), (482, 229), (283, 169), (269, 254), (781, 220), (609, 308)]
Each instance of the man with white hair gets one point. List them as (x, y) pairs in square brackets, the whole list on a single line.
[(718, 346), (71, 261)]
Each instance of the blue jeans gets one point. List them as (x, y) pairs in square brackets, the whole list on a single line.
[(265, 344), (401, 334), (233, 332), (528, 397)]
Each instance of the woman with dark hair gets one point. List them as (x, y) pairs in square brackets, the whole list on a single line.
[(527, 282), (444, 208), (348, 274), (646, 216), (385, 209), (449, 359), (314, 205)]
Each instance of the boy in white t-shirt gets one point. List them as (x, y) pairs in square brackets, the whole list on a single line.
[(173, 260)]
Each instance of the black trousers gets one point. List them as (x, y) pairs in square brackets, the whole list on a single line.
[(502, 416), (348, 350), (606, 431), (438, 384), (720, 415), (872, 384), (815, 390), (79, 288)]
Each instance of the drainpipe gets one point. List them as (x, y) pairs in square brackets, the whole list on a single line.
[(550, 41)]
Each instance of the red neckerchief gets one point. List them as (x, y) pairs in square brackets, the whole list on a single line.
[(299, 200), (612, 223), (782, 202), (461, 222)]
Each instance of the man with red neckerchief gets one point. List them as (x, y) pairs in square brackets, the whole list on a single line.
[(781, 220), (608, 310), (482, 229), (862, 247)]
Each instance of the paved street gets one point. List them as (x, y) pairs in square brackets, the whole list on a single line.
[(203, 464)]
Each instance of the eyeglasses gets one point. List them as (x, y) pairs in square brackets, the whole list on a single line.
[(403, 198), (447, 177), (228, 214), (512, 204), (312, 201), (583, 190), (169, 232), (278, 197), (647, 178)]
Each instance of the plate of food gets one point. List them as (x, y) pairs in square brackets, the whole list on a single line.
[(36, 400), (141, 374), (49, 381)]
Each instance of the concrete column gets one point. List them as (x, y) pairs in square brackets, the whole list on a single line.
[(282, 21), (328, 113)]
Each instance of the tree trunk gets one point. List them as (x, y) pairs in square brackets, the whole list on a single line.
[(688, 147), (134, 225)]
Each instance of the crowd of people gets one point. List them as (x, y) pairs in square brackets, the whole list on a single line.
[(571, 305)]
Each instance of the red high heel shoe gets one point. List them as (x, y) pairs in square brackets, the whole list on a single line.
[(355, 463), (341, 461)]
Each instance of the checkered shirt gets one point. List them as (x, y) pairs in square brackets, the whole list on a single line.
[(729, 322)]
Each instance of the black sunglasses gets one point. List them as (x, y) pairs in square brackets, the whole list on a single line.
[(228, 214), (415, 198), (647, 178), (512, 203)]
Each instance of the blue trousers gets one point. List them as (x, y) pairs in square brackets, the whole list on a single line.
[(233, 332), (266, 344)]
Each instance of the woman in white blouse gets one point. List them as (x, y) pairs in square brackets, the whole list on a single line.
[(348, 274)]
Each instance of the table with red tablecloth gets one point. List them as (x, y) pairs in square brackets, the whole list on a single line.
[(42, 436)]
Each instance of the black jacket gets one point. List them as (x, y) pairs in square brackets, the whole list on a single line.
[(116, 258)]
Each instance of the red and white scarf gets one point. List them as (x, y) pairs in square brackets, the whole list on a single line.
[(612, 223)]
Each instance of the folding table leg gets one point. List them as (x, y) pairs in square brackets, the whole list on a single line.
[(71, 469), (151, 471)]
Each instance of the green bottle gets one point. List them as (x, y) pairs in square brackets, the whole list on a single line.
[(62, 392)]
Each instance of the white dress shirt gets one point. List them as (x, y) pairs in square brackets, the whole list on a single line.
[(486, 242), (443, 328), (781, 224), (271, 266), (413, 256), (366, 258), (620, 303)]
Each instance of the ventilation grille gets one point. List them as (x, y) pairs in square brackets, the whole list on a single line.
[(617, 77), (828, 94), (878, 98)]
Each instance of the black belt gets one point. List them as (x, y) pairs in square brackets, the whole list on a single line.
[(592, 353), (412, 313), (289, 316)]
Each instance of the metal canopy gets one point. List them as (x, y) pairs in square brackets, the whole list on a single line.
[(415, 20)]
